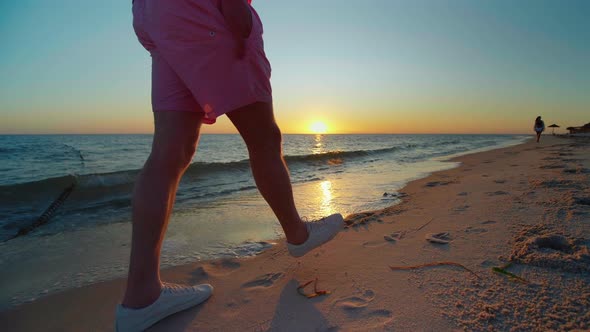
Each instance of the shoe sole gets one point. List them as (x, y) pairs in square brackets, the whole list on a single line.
[(319, 245), (173, 310)]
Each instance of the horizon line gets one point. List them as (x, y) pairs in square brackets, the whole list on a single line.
[(344, 133)]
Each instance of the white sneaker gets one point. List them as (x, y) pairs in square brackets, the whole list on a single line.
[(173, 298), (320, 232)]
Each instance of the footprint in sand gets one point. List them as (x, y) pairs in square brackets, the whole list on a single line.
[(395, 236), (461, 208), (217, 268), (579, 170), (332, 329), (221, 267), (552, 166), (582, 200), (438, 183), (354, 303), (562, 214), (390, 238), (376, 244), (472, 230), (199, 274), (380, 313), (497, 193), (374, 320), (264, 281), (378, 319), (560, 184)]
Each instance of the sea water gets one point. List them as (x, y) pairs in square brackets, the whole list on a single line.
[(218, 211)]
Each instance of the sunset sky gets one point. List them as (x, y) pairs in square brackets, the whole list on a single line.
[(371, 66)]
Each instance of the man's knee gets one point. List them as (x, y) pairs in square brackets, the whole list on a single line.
[(173, 157), (268, 141), (275, 138)]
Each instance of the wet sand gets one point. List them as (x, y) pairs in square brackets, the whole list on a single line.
[(513, 223)]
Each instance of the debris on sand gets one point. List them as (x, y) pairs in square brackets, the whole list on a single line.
[(434, 264), (357, 219), (512, 276), (316, 292), (395, 195)]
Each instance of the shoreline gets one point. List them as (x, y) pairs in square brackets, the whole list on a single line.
[(361, 295), (200, 232)]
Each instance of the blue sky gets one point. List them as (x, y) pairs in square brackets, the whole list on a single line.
[(360, 66)]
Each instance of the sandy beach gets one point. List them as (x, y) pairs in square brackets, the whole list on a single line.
[(514, 223)]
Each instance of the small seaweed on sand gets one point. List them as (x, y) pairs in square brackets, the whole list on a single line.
[(414, 267), (316, 292), (49, 212), (426, 224), (512, 276)]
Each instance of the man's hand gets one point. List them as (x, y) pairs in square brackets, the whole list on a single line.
[(238, 17)]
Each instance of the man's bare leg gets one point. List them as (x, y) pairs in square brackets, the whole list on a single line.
[(175, 140), (256, 124)]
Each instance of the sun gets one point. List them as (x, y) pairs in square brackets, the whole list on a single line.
[(318, 127)]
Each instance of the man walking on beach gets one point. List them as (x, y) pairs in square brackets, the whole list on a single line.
[(207, 60), (539, 127)]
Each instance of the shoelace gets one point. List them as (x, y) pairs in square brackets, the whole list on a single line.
[(320, 225), (307, 221), (176, 289)]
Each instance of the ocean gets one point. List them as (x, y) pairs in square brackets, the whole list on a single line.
[(219, 213)]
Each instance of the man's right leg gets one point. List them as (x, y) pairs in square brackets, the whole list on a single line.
[(257, 125), (258, 128), (175, 140)]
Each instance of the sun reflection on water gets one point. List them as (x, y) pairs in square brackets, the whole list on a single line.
[(319, 145), (326, 206)]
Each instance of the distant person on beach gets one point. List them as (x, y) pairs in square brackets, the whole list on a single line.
[(539, 127), (207, 60)]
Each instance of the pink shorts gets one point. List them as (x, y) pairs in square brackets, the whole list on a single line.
[(194, 62)]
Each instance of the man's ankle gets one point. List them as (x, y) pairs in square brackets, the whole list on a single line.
[(137, 297), (299, 236)]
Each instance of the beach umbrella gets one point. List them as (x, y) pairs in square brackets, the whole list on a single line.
[(553, 126)]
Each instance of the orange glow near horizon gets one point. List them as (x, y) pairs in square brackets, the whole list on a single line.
[(326, 118)]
